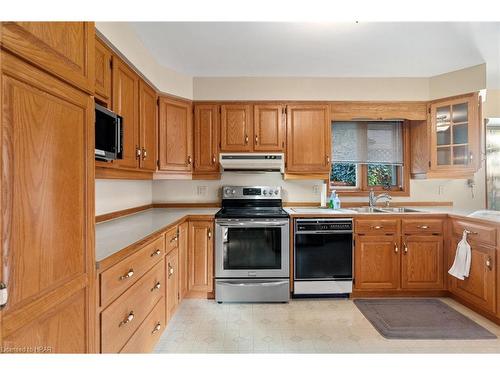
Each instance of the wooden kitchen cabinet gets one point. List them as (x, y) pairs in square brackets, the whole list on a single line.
[(103, 61), (206, 139), (269, 127), (422, 262), (64, 49), (172, 275), (183, 259), (236, 128), (201, 256), (377, 262), (126, 104), (479, 288), (47, 257), (147, 127), (175, 136), (308, 139)]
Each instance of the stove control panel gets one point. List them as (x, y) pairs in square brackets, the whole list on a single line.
[(251, 192)]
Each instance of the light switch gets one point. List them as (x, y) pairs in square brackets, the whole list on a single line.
[(315, 189)]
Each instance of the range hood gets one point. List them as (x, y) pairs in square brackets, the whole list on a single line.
[(258, 162)]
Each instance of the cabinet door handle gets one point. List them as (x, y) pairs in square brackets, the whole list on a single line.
[(137, 152), (246, 139), (128, 275), (156, 253), (156, 329), (396, 249), (327, 159), (489, 265), (209, 234), (256, 140), (213, 159), (128, 319), (405, 248), (156, 287), (144, 154), (170, 270), (190, 160), (471, 157)]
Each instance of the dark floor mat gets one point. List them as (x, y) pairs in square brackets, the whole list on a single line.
[(417, 318)]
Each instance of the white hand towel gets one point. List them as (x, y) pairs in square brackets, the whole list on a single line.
[(461, 266)]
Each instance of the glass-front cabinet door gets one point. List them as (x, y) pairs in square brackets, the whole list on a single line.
[(454, 135)]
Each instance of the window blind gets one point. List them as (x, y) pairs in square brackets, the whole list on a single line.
[(367, 142)]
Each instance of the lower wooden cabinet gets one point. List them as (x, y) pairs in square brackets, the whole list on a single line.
[(480, 287), (422, 262), (201, 256), (172, 278), (377, 262)]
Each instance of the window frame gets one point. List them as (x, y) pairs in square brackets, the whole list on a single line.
[(362, 186)]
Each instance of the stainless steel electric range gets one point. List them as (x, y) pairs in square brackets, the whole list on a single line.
[(252, 253)]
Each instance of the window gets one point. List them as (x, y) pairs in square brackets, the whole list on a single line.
[(369, 155)]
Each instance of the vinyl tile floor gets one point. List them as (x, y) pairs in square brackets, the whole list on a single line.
[(301, 326)]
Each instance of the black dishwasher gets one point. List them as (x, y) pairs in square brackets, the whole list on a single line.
[(323, 250)]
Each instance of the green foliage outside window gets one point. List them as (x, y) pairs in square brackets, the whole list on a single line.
[(343, 174), (381, 175)]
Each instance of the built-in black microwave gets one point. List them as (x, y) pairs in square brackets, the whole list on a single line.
[(108, 134)]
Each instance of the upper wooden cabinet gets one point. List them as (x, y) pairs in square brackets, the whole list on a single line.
[(269, 127), (236, 128), (48, 212), (65, 49), (206, 138), (447, 144), (126, 104), (103, 62), (147, 126), (175, 136), (308, 139)]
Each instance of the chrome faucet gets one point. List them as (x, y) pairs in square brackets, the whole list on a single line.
[(372, 198)]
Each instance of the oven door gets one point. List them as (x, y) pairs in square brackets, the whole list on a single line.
[(251, 248)]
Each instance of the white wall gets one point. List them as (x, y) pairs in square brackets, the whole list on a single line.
[(296, 88), (458, 82), (116, 195), (124, 38)]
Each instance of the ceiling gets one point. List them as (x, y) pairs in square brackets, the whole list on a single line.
[(278, 49)]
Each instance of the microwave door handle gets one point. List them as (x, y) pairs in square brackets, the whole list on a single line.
[(118, 134)]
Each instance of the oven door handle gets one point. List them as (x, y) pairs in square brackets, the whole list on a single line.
[(264, 283), (250, 224)]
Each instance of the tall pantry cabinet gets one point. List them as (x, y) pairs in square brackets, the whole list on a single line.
[(47, 137)]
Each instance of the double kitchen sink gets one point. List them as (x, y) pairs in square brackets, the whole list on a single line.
[(365, 209)]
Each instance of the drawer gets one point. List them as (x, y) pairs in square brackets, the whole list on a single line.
[(148, 334), (122, 318), (478, 232), (121, 276), (376, 226), (172, 239), (422, 225)]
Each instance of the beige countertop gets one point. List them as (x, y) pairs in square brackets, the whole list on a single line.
[(114, 235)]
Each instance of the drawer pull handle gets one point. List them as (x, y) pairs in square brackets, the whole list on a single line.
[(405, 248), (396, 249), (209, 234), (128, 275), (422, 226), (156, 287), (377, 227), (173, 239), (170, 270), (128, 319), (157, 328), (155, 253), (488, 264)]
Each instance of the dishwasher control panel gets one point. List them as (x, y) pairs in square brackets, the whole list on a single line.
[(328, 225)]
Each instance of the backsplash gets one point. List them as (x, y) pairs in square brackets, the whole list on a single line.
[(116, 195)]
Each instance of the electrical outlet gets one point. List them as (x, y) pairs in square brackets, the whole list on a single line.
[(202, 190), (315, 189), (440, 189)]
